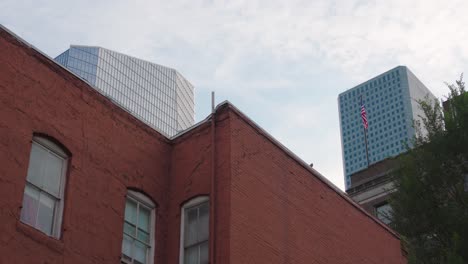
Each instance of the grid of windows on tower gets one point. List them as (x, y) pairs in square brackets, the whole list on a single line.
[(157, 95), (388, 117)]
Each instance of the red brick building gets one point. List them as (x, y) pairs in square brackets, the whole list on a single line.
[(83, 181)]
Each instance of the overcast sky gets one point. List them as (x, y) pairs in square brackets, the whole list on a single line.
[(283, 63)]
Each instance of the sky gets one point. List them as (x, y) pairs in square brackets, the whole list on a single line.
[(283, 63)]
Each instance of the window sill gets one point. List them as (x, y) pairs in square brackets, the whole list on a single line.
[(39, 237)]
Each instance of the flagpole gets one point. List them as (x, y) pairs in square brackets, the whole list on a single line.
[(365, 140), (367, 151)]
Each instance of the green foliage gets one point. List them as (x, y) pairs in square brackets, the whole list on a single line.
[(430, 206)]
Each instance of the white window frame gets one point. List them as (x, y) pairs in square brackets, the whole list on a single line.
[(141, 198), (193, 202), (58, 212)]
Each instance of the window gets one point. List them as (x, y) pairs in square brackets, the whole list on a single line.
[(138, 237), (42, 205), (194, 231), (384, 213)]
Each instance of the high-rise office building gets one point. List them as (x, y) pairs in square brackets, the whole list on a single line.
[(157, 95), (390, 100)]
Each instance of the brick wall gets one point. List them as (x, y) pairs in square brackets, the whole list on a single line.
[(281, 213), (191, 177), (110, 151)]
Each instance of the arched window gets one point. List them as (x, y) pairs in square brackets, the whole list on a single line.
[(195, 231), (139, 224), (45, 183)]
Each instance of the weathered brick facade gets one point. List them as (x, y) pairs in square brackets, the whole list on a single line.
[(269, 207)]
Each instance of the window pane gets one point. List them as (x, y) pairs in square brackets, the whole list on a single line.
[(144, 218), (130, 211), (143, 236), (30, 205), (45, 216), (191, 255), (203, 222), (384, 213), (52, 174), (191, 227), (204, 253), (140, 252), (36, 164), (127, 246), (129, 229)]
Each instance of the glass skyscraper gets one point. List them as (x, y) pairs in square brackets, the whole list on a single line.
[(390, 100), (157, 95)]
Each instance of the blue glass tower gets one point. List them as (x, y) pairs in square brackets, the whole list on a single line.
[(391, 104), (157, 95)]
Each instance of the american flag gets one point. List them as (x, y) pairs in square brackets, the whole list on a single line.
[(364, 115)]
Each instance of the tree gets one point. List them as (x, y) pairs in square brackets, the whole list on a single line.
[(430, 206)]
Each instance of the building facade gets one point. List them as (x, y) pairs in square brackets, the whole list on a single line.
[(82, 181), (390, 100), (371, 188), (157, 95)]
